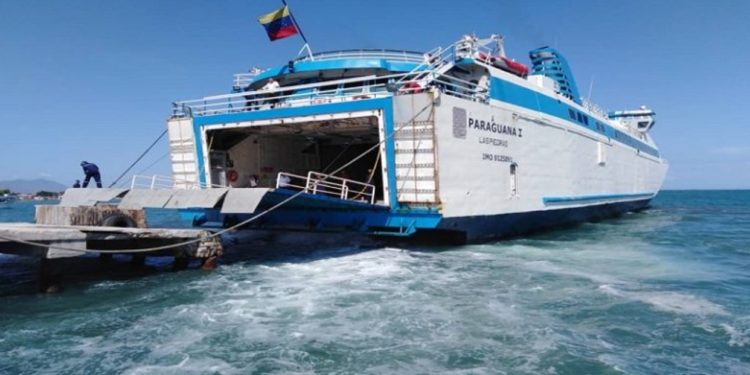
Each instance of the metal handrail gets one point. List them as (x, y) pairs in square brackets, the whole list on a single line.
[(431, 61), (231, 101), (267, 100), (244, 79), (595, 108), (343, 185), (285, 180), (429, 71), (252, 100), (410, 56), (325, 184)]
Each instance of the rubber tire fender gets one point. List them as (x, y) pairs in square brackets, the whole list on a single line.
[(119, 220)]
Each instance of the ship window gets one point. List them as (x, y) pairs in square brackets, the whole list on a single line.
[(572, 113), (586, 120), (513, 179), (329, 89)]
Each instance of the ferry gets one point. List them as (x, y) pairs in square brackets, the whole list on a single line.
[(460, 142)]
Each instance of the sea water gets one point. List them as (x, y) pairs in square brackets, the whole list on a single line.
[(664, 291)]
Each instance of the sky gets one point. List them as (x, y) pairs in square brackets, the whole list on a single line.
[(94, 80)]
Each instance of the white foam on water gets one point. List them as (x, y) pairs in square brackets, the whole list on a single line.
[(482, 309), (674, 302), (681, 303), (737, 337), (367, 299), (186, 366), (545, 266), (107, 285)]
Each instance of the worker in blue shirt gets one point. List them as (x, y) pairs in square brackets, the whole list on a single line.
[(91, 170)]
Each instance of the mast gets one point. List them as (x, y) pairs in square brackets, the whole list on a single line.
[(302, 34)]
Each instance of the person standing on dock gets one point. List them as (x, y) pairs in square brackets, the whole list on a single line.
[(91, 170)]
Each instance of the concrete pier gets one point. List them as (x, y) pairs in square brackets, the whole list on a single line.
[(108, 239), (72, 231)]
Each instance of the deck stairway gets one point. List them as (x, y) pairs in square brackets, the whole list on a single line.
[(437, 62)]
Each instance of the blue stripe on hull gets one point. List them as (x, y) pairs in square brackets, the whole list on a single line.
[(593, 198), (482, 228), (521, 96), (354, 220)]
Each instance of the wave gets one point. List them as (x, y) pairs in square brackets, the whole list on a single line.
[(674, 302), (737, 337)]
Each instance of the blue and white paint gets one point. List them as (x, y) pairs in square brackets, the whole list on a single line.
[(466, 147)]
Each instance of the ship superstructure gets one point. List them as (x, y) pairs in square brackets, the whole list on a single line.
[(460, 141)]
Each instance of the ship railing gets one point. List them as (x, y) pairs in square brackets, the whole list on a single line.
[(157, 182), (318, 183), (431, 63), (430, 73), (396, 55), (482, 54), (243, 79), (357, 88), (462, 88), (623, 124), (434, 65), (286, 96), (595, 108), (473, 48)]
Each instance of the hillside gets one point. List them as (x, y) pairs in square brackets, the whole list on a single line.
[(32, 186)]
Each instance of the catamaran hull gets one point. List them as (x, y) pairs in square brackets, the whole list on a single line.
[(483, 228), (514, 161)]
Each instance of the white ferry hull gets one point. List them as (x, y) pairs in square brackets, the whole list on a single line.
[(446, 144), (563, 174)]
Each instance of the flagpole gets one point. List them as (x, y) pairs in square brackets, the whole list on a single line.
[(294, 20)]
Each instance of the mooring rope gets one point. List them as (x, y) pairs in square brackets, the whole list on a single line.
[(139, 158), (219, 233), (142, 171)]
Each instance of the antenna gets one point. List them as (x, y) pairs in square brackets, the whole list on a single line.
[(499, 44), (591, 88)]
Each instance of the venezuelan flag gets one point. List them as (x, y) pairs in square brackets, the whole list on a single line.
[(278, 24)]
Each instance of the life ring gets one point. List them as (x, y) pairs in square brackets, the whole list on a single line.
[(232, 175)]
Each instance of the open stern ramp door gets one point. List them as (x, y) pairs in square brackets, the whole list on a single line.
[(415, 147), (182, 150), (301, 153)]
